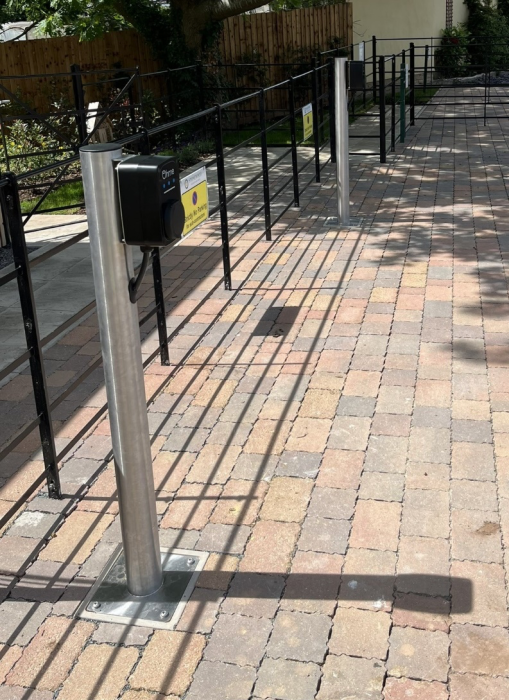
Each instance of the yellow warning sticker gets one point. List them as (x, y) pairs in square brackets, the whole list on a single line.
[(307, 119), (195, 199)]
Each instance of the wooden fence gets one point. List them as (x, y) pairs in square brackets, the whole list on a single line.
[(39, 69), (283, 37)]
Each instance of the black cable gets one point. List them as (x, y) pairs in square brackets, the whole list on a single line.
[(135, 283)]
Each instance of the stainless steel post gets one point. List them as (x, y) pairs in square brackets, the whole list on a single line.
[(123, 369), (342, 144)]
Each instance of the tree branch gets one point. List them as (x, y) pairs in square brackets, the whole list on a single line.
[(229, 8), (23, 33)]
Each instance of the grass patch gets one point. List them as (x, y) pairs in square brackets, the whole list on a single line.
[(66, 195)]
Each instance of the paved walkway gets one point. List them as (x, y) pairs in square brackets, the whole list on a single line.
[(334, 432)]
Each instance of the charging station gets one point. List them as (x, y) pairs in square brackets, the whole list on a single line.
[(133, 200)]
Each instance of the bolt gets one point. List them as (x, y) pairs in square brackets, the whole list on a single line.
[(163, 614), (190, 561), (96, 605)]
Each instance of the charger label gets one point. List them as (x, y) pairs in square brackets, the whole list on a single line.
[(195, 199)]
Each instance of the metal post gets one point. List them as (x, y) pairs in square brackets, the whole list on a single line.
[(383, 126), (342, 145), (293, 136), (316, 137), (221, 182), (373, 50), (79, 101), (393, 104), (139, 84), (402, 103), (123, 370), (265, 164), (412, 84), (426, 61), (201, 95), (332, 130), (12, 210)]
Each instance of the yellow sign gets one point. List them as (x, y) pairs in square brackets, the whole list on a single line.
[(195, 199), (307, 118)]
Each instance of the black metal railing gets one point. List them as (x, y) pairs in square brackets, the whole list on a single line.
[(313, 86)]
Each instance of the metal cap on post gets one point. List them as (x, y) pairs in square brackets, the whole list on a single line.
[(342, 141), (123, 370)]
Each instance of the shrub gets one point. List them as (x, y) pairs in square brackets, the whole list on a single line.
[(452, 56), (488, 26)]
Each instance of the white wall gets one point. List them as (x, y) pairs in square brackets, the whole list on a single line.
[(401, 18)]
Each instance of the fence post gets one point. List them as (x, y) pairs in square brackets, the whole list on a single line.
[(332, 130), (79, 101), (172, 105), (31, 327), (265, 164), (402, 103), (139, 84), (426, 60), (316, 136), (412, 84), (342, 142), (393, 105), (375, 66), (383, 126), (223, 210), (201, 91), (293, 136)]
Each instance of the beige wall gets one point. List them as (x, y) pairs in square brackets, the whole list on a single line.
[(401, 18)]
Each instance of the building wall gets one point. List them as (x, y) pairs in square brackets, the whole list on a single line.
[(387, 19)]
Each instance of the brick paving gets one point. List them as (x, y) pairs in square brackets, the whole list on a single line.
[(334, 432)]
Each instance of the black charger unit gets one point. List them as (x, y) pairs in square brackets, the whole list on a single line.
[(149, 195)]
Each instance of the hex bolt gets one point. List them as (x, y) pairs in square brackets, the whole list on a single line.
[(96, 605), (163, 614), (190, 561)]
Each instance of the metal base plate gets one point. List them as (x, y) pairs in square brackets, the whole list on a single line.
[(110, 600), (355, 222)]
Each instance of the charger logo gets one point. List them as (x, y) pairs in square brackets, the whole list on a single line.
[(165, 174)]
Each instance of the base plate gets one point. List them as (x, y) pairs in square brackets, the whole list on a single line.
[(355, 222), (110, 599)]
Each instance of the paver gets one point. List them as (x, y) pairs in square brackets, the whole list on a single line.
[(351, 677), (337, 440), (418, 654), (47, 660)]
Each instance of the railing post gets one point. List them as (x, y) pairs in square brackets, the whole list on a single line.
[(393, 105), (293, 137), (316, 136), (223, 210), (14, 222), (139, 84), (426, 60), (412, 84), (332, 130), (201, 94), (172, 105), (383, 126), (375, 66), (402, 103), (79, 101), (265, 164), (342, 142)]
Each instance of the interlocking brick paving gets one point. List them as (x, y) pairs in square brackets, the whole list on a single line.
[(334, 431)]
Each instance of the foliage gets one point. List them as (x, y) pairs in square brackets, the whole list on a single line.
[(177, 32), (66, 195), (191, 153), (488, 26), (451, 57)]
